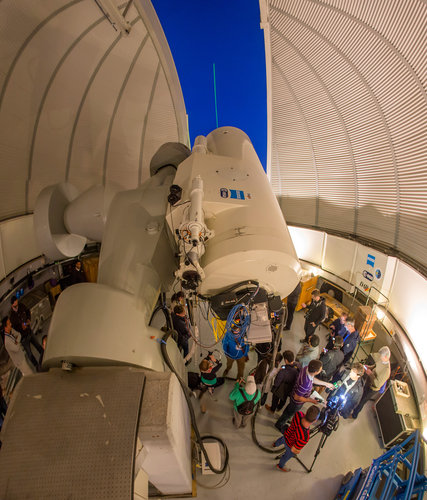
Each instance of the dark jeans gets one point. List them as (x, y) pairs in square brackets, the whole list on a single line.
[(204, 387), (288, 453), (347, 357), (263, 399), (290, 318), (287, 414), (3, 410), (26, 340), (309, 330), (277, 403), (367, 395), (183, 344)]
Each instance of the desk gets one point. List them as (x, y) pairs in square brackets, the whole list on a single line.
[(336, 307)]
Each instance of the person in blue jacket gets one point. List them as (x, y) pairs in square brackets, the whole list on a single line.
[(235, 351), (337, 327), (350, 341)]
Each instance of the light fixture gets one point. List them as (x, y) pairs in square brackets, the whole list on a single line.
[(315, 271), (380, 314)]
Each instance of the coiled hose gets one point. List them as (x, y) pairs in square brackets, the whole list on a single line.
[(185, 390), (284, 314)]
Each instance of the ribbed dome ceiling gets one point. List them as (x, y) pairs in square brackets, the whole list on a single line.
[(349, 118), (78, 101)]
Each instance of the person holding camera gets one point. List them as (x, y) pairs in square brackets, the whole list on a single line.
[(377, 376), (296, 436), (315, 314), (245, 399), (332, 359), (349, 388), (302, 391), (208, 370)]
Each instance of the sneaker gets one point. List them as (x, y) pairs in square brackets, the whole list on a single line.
[(284, 468), (268, 408)]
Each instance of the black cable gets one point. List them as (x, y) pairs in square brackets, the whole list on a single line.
[(276, 346), (185, 390)]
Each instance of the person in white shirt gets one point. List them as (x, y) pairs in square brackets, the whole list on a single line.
[(12, 343)]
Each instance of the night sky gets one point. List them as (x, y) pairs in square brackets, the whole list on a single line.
[(227, 33)]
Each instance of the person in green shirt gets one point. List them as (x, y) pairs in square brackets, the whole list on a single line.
[(245, 399)]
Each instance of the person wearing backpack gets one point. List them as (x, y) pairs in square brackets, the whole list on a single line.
[(245, 400), (284, 382)]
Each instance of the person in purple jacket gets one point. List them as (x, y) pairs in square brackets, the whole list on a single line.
[(302, 391)]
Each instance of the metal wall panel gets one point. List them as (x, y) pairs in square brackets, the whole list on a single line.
[(74, 96), (349, 109)]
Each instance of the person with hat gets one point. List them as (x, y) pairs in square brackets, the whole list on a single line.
[(245, 399)]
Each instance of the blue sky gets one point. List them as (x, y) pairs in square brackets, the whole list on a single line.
[(227, 33)]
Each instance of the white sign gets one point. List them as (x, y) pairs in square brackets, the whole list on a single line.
[(369, 269)]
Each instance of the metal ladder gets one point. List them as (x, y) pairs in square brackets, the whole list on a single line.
[(392, 476)]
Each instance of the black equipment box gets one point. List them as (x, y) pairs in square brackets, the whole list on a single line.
[(397, 414)]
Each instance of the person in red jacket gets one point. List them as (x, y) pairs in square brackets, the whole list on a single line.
[(296, 436)]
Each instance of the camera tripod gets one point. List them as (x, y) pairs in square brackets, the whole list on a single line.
[(325, 428)]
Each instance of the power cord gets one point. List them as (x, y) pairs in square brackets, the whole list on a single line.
[(185, 390), (284, 315)]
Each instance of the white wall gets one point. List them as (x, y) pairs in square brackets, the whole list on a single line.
[(400, 289), (308, 244), (17, 244), (408, 303), (394, 285)]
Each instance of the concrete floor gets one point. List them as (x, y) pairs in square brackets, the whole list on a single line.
[(253, 471)]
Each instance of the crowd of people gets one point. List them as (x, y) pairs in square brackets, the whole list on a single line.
[(290, 379)]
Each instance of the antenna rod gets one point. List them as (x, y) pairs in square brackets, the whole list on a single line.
[(216, 107)]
